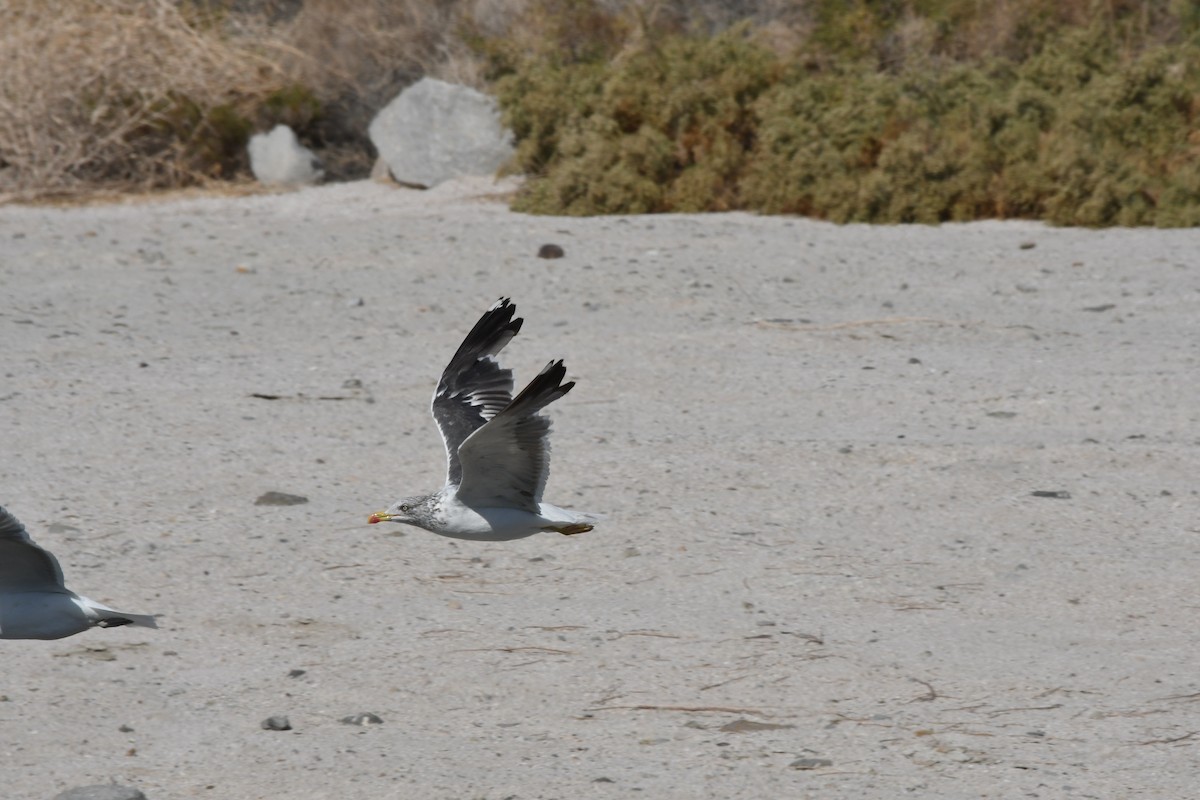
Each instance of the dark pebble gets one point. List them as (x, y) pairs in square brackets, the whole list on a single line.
[(276, 723), (1054, 495), (280, 499), (811, 763), (364, 719), (103, 791), (550, 251)]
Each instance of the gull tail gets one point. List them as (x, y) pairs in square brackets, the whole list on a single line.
[(104, 617), (120, 618)]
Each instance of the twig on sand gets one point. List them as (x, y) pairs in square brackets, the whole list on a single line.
[(928, 696), (1000, 711), (525, 649), (693, 709), (787, 325), (1173, 739)]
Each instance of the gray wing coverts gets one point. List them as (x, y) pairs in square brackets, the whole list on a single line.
[(23, 565), (509, 456)]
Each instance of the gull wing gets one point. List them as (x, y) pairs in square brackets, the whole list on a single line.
[(506, 462), (24, 566), (474, 387)]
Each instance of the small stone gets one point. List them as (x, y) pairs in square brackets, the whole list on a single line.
[(1101, 307), (276, 723), (1056, 495), (811, 763), (365, 718), (550, 251), (103, 791), (280, 499), (125, 729), (296, 673), (1028, 245)]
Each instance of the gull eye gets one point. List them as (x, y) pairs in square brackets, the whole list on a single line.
[(406, 508)]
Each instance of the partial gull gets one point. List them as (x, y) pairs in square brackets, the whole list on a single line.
[(496, 445), (34, 603)]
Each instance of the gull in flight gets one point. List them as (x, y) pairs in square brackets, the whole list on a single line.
[(34, 604), (496, 445)]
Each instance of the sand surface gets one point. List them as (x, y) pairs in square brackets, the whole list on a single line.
[(824, 572)]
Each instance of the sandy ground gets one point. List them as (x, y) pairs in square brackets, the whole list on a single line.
[(824, 572)]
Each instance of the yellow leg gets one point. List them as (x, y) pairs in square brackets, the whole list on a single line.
[(569, 530)]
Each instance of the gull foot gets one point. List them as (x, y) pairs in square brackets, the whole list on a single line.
[(570, 530)]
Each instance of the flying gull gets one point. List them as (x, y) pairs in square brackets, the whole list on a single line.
[(496, 445), (34, 604)]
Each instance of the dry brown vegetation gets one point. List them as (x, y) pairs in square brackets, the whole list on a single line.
[(122, 95), (116, 93)]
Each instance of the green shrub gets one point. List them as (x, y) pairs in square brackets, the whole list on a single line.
[(1082, 133), (664, 127)]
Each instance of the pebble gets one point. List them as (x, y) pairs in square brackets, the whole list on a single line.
[(811, 763), (280, 499), (276, 723), (103, 791), (364, 719), (550, 251), (1053, 494)]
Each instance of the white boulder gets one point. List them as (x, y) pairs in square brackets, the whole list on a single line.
[(434, 131), (278, 159)]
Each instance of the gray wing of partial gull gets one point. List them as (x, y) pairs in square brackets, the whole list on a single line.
[(506, 462), (24, 566), (474, 387)]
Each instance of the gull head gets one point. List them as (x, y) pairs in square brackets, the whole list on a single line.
[(408, 510)]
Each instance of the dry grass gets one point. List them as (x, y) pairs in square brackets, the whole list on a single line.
[(112, 92), (128, 95)]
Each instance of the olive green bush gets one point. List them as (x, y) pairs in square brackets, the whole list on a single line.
[(667, 127), (1084, 132)]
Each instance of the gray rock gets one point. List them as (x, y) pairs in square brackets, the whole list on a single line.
[(278, 159), (280, 499), (434, 131), (811, 763), (276, 723), (103, 791), (550, 251), (365, 718)]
